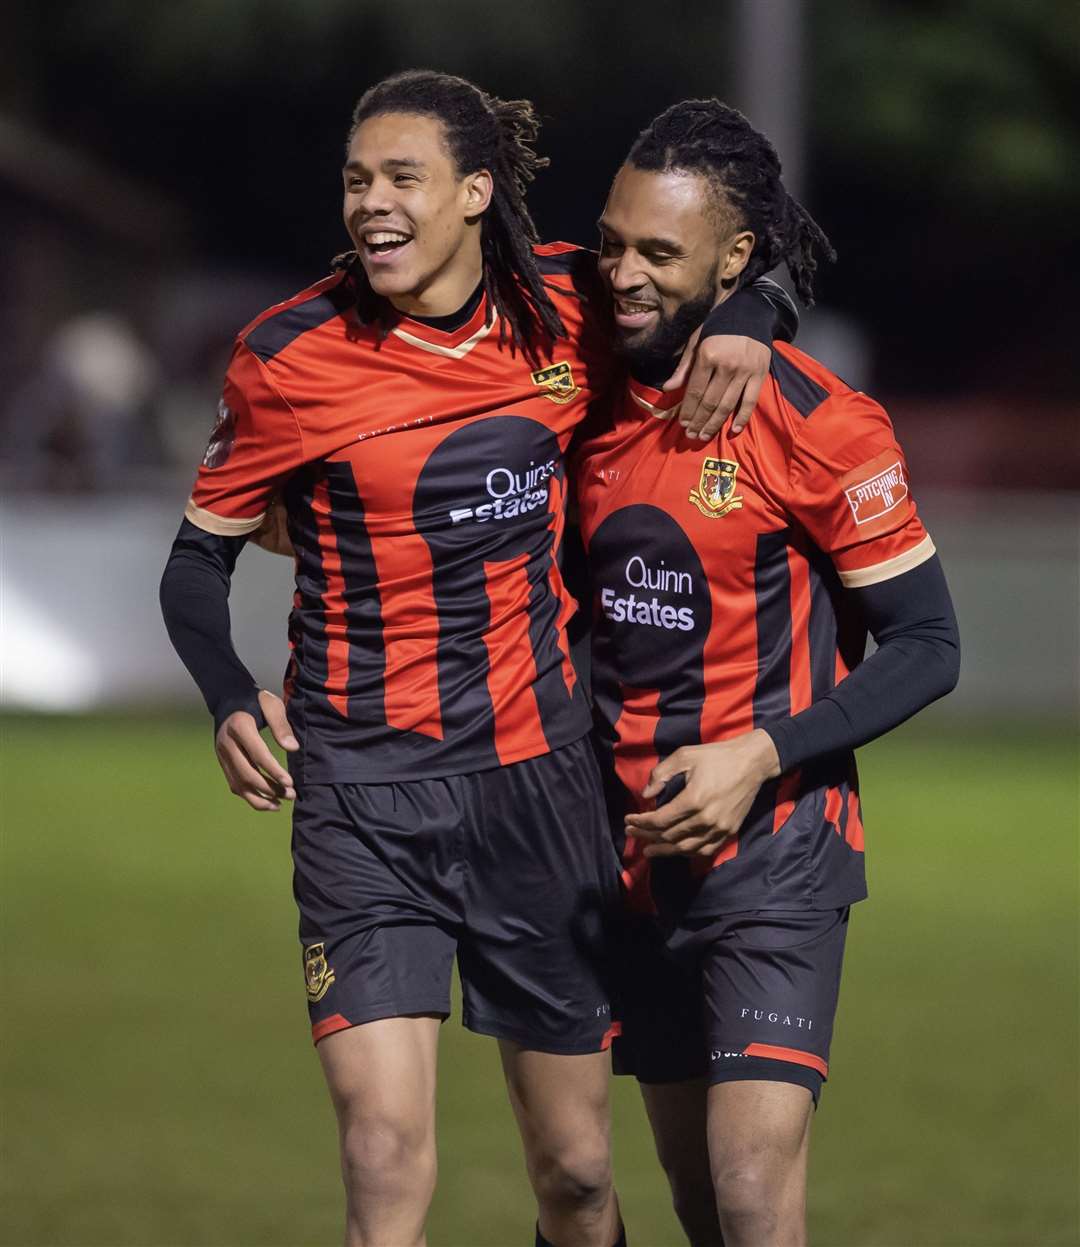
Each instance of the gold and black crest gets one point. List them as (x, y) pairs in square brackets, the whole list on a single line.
[(317, 974), (558, 381), (715, 494)]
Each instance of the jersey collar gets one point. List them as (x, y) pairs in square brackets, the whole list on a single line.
[(654, 400), (452, 343)]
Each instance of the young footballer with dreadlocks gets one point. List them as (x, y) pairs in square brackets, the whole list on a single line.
[(735, 583), (412, 412)]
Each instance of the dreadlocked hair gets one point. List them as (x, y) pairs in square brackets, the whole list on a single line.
[(717, 141), (481, 132)]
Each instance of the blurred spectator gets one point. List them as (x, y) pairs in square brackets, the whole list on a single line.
[(84, 418)]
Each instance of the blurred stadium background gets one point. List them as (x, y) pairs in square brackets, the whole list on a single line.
[(166, 171)]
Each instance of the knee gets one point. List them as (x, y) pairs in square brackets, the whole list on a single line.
[(747, 1191), (381, 1154), (577, 1176)]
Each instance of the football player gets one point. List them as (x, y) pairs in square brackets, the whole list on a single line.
[(735, 582)]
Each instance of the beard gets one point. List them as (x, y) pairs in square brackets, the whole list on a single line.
[(659, 348)]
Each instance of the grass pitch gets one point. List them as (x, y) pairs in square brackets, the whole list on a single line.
[(159, 1087)]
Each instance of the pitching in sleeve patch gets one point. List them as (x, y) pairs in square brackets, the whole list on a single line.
[(874, 490)]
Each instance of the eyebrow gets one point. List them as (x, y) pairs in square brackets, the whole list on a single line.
[(397, 162), (649, 244)]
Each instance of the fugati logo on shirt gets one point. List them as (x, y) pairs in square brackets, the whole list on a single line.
[(631, 605), (510, 493)]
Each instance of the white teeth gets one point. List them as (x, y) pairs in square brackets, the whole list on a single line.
[(383, 237)]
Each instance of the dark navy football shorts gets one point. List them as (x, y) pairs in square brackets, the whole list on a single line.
[(746, 996), (512, 870)]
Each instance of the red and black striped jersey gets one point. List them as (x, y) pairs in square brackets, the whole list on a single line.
[(719, 575), (422, 474)]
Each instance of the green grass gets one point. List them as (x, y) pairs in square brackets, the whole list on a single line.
[(159, 1086)]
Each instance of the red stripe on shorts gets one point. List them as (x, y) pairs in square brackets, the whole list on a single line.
[(612, 1031), (328, 1026), (775, 1053)]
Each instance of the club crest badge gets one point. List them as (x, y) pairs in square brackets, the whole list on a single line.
[(222, 437), (715, 494), (317, 973), (558, 381)]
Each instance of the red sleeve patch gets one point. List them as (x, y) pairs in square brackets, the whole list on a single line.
[(876, 488)]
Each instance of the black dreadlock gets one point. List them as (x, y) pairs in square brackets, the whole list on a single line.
[(717, 141), (482, 132)]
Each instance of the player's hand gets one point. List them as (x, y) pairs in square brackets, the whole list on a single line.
[(273, 533), (722, 781), (723, 374), (252, 771)]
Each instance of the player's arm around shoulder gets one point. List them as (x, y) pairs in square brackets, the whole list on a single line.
[(726, 362)]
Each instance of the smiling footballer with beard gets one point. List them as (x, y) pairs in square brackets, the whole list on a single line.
[(729, 744)]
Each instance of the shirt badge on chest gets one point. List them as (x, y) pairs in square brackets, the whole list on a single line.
[(715, 493), (557, 382)]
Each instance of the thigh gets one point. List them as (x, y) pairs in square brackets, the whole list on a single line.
[(771, 983), (677, 1115), (559, 1101), (760, 1126), (376, 917), (383, 1073), (542, 890)]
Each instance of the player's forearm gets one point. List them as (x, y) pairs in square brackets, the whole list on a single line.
[(918, 660), (195, 605), (762, 311)]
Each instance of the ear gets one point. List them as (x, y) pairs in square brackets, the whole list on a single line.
[(735, 255), (478, 188)]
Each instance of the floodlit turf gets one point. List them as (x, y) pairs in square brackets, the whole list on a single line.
[(159, 1088)]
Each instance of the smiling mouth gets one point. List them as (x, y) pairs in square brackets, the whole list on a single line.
[(384, 242), (633, 313)]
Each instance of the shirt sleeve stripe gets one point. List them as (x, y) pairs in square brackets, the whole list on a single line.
[(221, 525), (860, 577)]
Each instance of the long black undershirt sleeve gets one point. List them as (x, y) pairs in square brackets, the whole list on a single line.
[(762, 311), (195, 604), (917, 661)]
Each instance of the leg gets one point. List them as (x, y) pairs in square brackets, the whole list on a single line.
[(534, 961), (378, 951), (759, 1135), (663, 1044), (771, 981), (381, 1077), (561, 1105), (677, 1114)]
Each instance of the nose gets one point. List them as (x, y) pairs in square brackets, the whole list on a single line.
[(626, 275), (376, 199)]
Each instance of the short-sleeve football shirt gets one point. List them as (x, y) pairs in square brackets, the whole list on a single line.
[(423, 478), (719, 573)]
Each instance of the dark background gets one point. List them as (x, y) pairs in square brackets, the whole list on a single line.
[(942, 143)]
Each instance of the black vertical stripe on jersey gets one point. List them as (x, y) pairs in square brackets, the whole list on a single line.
[(363, 608), (825, 592), (772, 595), (772, 687), (310, 644), (543, 608)]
